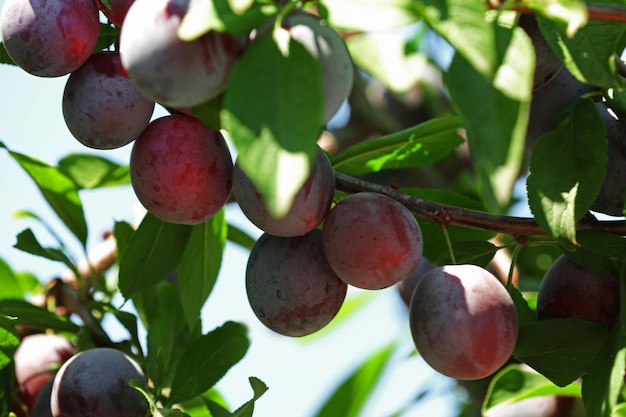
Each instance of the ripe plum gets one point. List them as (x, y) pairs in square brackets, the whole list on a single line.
[(49, 38), (95, 383), (371, 241), (101, 107), (166, 69), (310, 205), (290, 286), (463, 321), (181, 170)]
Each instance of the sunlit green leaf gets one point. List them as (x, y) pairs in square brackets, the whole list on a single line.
[(373, 15), (93, 171)]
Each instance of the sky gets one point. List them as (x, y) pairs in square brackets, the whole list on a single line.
[(299, 375)]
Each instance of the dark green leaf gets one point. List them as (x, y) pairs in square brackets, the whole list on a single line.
[(567, 168), (477, 252), (560, 349), (416, 146), (259, 388), (30, 315), (27, 242), (200, 265), (58, 190), (496, 125), (152, 254), (525, 314), (108, 35), (605, 244), (514, 384), (273, 112), (4, 56), (9, 340), (208, 359), (352, 394), (123, 233), (92, 171)]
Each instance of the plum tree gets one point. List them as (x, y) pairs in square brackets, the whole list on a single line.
[(310, 205), (290, 286), (167, 69), (101, 107), (325, 44), (181, 170), (371, 241), (407, 286), (463, 321), (36, 360), (95, 383), (49, 38), (572, 290), (115, 11), (610, 199), (547, 63)]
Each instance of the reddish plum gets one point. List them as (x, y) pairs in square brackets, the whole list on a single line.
[(371, 241), (309, 208), (95, 383), (571, 290), (165, 68), (290, 286), (463, 321), (181, 170), (49, 38), (101, 107), (117, 12)]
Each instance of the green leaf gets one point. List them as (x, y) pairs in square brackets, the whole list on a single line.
[(219, 15), (59, 191), (352, 394), (477, 252), (92, 171), (4, 56), (240, 237), (495, 111), (205, 405), (567, 168), (373, 15), (152, 254), (200, 265), (416, 146), (10, 285), (207, 359), (107, 36), (513, 384), (9, 340), (525, 314), (123, 233), (258, 387), (27, 242), (273, 113), (604, 244), (571, 15), (560, 349), (29, 315)]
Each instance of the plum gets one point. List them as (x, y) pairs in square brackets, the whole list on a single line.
[(310, 205), (180, 170), (571, 290), (95, 383), (101, 107), (49, 38), (371, 241), (36, 358), (117, 13), (290, 286), (329, 48), (547, 63), (463, 321), (41, 408), (166, 69), (407, 286)]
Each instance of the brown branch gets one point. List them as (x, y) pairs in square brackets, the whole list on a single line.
[(595, 11), (444, 215)]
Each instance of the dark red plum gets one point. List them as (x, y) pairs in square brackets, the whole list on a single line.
[(290, 286), (101, 107), (41, 408), (310, 205), (166, 69), (95, 383), (571, 290), (329, 48), (463, 321), (371, 241), (180, 170), (36, 359), (117, 13), (49, 38)]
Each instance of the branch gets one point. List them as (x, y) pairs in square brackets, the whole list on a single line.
[(595, 11), (444, 215)]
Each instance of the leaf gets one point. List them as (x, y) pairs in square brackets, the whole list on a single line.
[(604, 244), (152, 254), (206, 360), (123, 233), (258, 387), (513, 384), (29, 315), (567, 169), (10, 286), (58, 190), (496, 125), (107, 36), (477, 252), (560, 349), (9, 340), (200, 265), (568, 14), (240, 237), (353, 393), (416, 146), (4, 56), (525, 314), (92, 171), (27, 242), (373, 15), (218, 15), (273, 113)]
